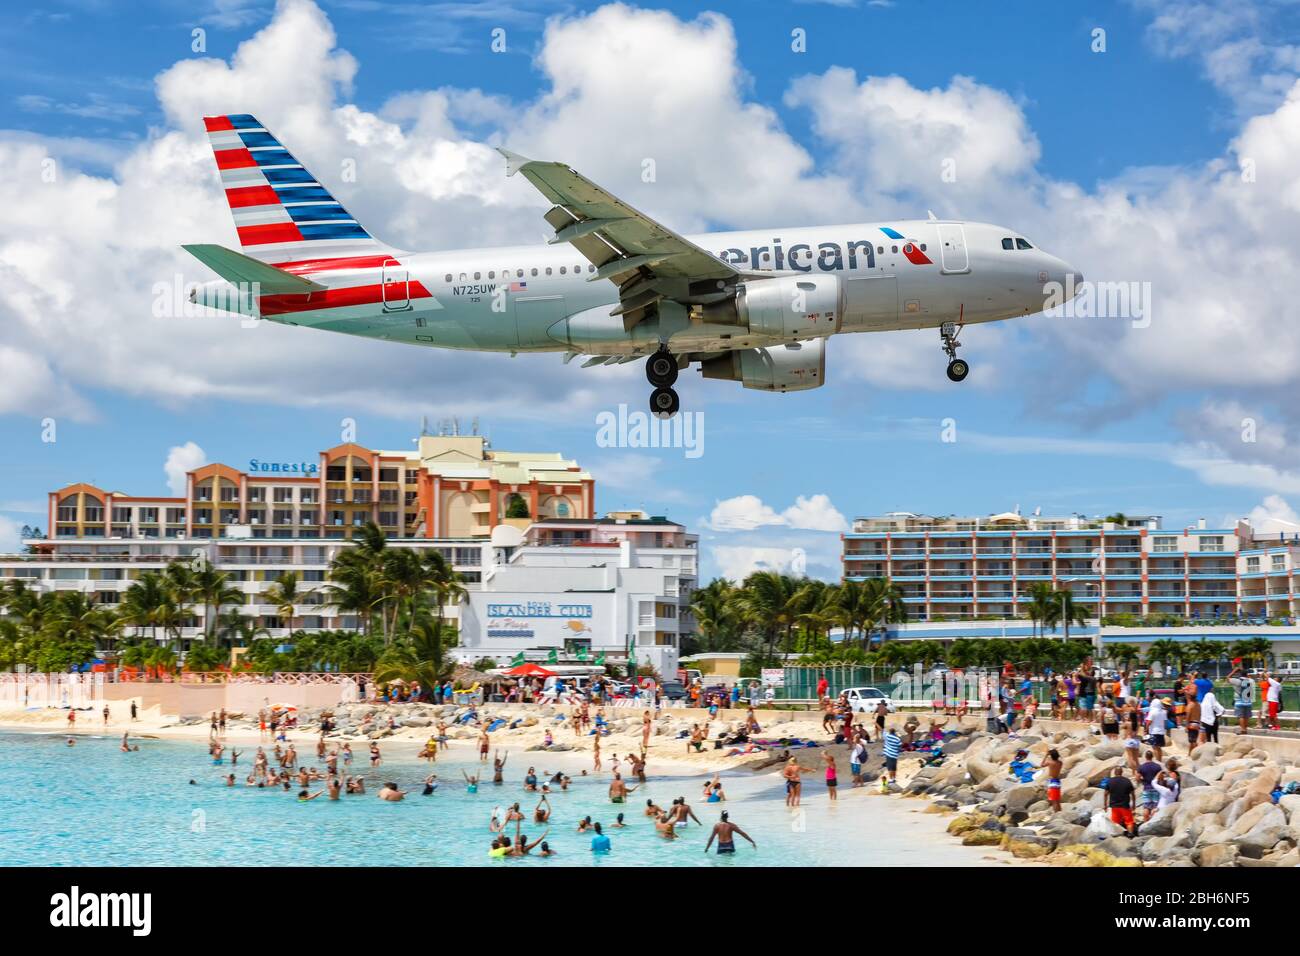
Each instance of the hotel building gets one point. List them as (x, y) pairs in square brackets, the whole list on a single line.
[(955, 568), (447, 487)]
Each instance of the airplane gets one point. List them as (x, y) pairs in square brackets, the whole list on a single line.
[(755, 307)]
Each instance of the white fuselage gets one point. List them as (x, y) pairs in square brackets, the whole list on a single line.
[(898, 275)]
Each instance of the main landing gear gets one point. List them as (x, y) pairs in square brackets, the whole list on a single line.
[(958, 369), (661, 371)]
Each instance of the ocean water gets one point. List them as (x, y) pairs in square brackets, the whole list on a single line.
[(91, 804)]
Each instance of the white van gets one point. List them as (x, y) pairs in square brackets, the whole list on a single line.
[(1287, 669)]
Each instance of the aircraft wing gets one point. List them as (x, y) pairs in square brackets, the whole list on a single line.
[(646, 260)]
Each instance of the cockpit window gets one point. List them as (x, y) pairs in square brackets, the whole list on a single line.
[(1022, 243), (1007, 243)]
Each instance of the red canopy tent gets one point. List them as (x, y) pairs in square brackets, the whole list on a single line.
[(529, 669)]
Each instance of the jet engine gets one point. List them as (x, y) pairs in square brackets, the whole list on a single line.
[(785, 368), (786, 307)]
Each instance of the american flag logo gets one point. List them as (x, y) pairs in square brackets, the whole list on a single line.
[(518, 286)]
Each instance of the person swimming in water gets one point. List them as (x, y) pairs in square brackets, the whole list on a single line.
[(619, 790), (726, 831)]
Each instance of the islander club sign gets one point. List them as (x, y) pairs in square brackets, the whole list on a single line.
[(258, 467), (532, 619)]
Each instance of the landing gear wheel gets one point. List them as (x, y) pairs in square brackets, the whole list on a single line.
[(661, 369), (664, 402), (957, 368)]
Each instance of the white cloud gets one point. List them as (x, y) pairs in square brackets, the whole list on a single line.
[(749, 512), (1274, 515), (737, 561), (182, 459), (10, 541)]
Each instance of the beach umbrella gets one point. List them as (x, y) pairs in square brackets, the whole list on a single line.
[(530, 670)]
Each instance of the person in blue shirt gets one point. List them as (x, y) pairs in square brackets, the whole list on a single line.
[(1203, 686), (600, 842)]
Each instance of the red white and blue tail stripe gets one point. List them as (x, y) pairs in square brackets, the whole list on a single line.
[(282, 212)]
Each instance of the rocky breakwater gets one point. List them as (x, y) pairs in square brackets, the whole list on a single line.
[(1225, 814)]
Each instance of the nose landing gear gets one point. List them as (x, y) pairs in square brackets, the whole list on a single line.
[(661, 372), (958, 369)]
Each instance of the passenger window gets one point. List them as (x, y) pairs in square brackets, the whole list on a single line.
[(923, 247), (562, 268), (880, 250), (548, 270), (448, 279), (1007, 243), (462, 277), (477, 276), (1022, 244), (577, 269), (519, 273), (893, 249), (534, 272), (908, 248), (591, 268), (492, 274)]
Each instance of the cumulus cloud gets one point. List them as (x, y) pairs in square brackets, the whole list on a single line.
[(748, 512), (1274, 515), (182, 459)]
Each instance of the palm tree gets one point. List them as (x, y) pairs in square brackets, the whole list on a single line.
[(239, 630), (1124, 654), (284, 593), (1043, 607), (1258, 649), (1167, 651), (356, 578), (143, 602), (214, 590), (716, 618), (76, 619), (418, 656), (1069, 612), (882, 604), (766, 602), (444, 582)]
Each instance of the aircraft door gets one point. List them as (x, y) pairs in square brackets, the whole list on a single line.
[(953, 257), (396, 285)]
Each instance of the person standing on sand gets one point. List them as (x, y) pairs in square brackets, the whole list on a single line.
[(646, 727), (484, 745), (134, 710), (726, 831), (106, 715), (595, 750), (72, 718), (792, 773), (892, 746), (857, 758)]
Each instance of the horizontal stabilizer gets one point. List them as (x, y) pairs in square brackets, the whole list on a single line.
[(242, 270)]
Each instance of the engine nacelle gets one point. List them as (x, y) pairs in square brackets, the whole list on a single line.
[(780, 369), (784, 307)]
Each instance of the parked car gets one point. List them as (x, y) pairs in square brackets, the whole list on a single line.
[(866, 699), (673, 690)]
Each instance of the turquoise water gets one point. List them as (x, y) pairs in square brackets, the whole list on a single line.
[(91, 804)]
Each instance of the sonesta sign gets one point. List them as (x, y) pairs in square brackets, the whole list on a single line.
[(282, 467)]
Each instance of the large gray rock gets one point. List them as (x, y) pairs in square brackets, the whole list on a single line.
[(1107, 749), (1190, 780), (1290, 805), (1206, 753), (956, 746), (1262, 816), (1220, 854), (1201, 800), (1166, 847), (1160, 825), (1118, 846), (1260, 840), (1065, 834)]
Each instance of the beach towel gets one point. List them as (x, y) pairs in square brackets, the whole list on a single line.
[(495, 724)]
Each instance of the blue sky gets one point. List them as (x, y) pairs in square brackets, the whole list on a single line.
[(1132, 142)]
